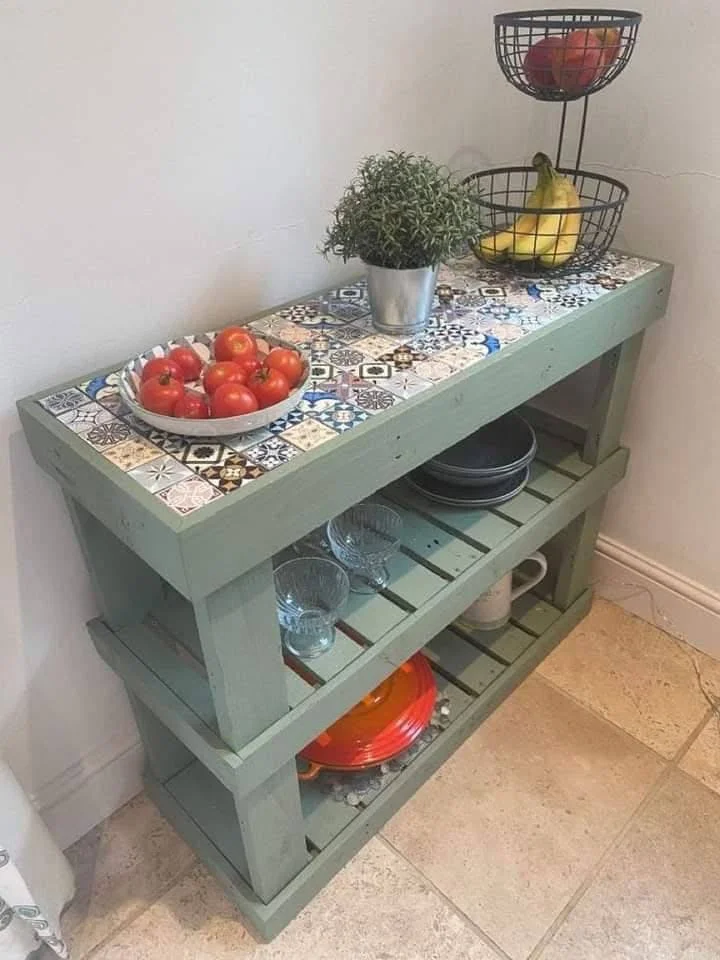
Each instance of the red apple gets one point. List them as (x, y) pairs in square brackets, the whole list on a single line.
[(538, 63), (578, 63), (609, 38)]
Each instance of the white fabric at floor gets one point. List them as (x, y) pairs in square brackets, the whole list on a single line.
[(36, 881)]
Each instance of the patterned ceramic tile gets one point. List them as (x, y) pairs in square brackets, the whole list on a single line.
[(433, 369), (107, 434), (403, 357), (244, 440), (232, 473), (309, 434), (349, 333), (189, 495), (346, 357), (457, 358), (375, 345), (100, 387), (64, 400), (356, 372), (374, 400), (375, 370), (405, 384), (162, 472), (84, 418), (341, 416), (281, 425), (203, 453), (272, 453), (131, 453)]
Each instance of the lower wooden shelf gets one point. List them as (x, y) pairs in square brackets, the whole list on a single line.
[(475, 672)]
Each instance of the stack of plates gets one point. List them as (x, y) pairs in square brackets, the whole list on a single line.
[(489, 467)]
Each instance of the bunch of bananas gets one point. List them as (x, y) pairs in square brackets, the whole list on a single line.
[(549, 236)]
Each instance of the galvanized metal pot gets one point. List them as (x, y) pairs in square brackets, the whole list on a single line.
[(401, 300)]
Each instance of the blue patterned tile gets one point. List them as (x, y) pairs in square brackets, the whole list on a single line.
[(341, 416), (281, 425)]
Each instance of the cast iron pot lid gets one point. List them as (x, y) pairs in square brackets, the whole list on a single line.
[(499, 448), (453, 496)]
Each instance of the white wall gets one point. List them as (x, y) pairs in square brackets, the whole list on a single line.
[(656, 128), (168, 166)]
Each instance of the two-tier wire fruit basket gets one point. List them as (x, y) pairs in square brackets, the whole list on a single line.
[(560, 56)]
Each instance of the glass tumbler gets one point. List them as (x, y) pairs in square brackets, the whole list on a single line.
[(310, 594), (364, 538)]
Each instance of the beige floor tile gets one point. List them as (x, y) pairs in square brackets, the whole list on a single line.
[(634, 675), (702, 760), (658, 898), (120, 867), (377, 908), (511, 825)]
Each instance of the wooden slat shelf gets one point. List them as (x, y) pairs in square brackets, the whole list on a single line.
[(474, 682), (449, 556)]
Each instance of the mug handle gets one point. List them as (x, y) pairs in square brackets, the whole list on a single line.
[(533, 581)]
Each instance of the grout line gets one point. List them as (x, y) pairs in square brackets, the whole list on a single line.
[(600, 716), (600, 864), (687, 745), (170, 885), (454, 908)]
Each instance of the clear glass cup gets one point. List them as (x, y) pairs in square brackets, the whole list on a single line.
[(364, 538), (310, 593)]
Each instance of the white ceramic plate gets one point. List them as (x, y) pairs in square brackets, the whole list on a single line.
[(202, 344)]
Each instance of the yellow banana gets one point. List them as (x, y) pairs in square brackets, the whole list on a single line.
[(494, 246), (531, 244), (567, 241)]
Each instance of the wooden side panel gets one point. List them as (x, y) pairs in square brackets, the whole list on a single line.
[(125, 585), (240, 641), (617, 371)]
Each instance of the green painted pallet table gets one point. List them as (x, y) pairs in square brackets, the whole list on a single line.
[(186, 595)]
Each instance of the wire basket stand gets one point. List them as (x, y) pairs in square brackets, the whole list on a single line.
[(530, 54), (557, 56)]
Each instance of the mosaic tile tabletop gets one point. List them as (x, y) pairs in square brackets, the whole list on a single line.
[(356, 373)]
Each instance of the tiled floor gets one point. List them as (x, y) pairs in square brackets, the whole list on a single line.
[(581, 822)]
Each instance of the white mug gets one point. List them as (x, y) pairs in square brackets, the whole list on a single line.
[(491, 610)]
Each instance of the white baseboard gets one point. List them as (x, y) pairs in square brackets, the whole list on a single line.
[(676, 604), (91, 789)]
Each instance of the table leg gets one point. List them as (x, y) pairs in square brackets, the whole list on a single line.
[(617, 370), (241, 647)]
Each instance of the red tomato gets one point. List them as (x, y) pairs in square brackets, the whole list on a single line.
[(288, 362), (159, 365), (192, 406), (224, 372), (232, 399), (269, 386), (250, 365), (189, 362), (234, 343), (160, 394)]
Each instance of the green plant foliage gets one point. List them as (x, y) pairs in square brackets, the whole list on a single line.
[(401, 211)]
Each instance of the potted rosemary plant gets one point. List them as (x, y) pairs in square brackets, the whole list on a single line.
[(402, 215)]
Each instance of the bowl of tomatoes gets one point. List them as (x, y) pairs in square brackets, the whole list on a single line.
[(215, 384)]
